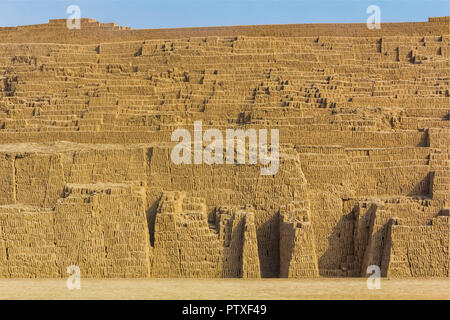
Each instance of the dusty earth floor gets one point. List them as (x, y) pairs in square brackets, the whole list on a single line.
[(179, 289)]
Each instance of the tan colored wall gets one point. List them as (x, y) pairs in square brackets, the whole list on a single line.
[(298, 257), (418, 251), (189, 244), (101, 228), (363, 122)]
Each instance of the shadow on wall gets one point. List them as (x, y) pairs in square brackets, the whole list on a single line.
[(423, 188), (269, 252), (151, 217), (233, 251), (339, 259), (151, 211)]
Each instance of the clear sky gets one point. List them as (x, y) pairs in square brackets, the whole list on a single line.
[(141, 14)]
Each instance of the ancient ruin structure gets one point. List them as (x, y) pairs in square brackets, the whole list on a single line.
[(86, 118)]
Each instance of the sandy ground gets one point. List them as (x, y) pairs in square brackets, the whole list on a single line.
[(180, 289)]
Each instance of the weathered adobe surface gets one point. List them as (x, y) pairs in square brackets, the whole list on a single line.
[(93, 32), (86, 177)]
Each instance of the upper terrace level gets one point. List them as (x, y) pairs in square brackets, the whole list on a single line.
[(95, 32)]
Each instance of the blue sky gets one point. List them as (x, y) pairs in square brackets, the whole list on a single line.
[(140, 14)]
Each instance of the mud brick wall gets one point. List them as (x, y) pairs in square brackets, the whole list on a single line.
[(189, 244), (107, 236), (92, 31), (235, 186), (86, 118), (250, 258), (100, 228), (375, 232), (185, 246), (418, 251), (39, 179), (231, 230), (7, 171), (27, 243), (298, 257)]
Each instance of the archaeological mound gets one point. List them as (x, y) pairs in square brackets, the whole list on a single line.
[(86, 118)]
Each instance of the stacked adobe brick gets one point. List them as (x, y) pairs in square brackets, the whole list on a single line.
[(363, 119)]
